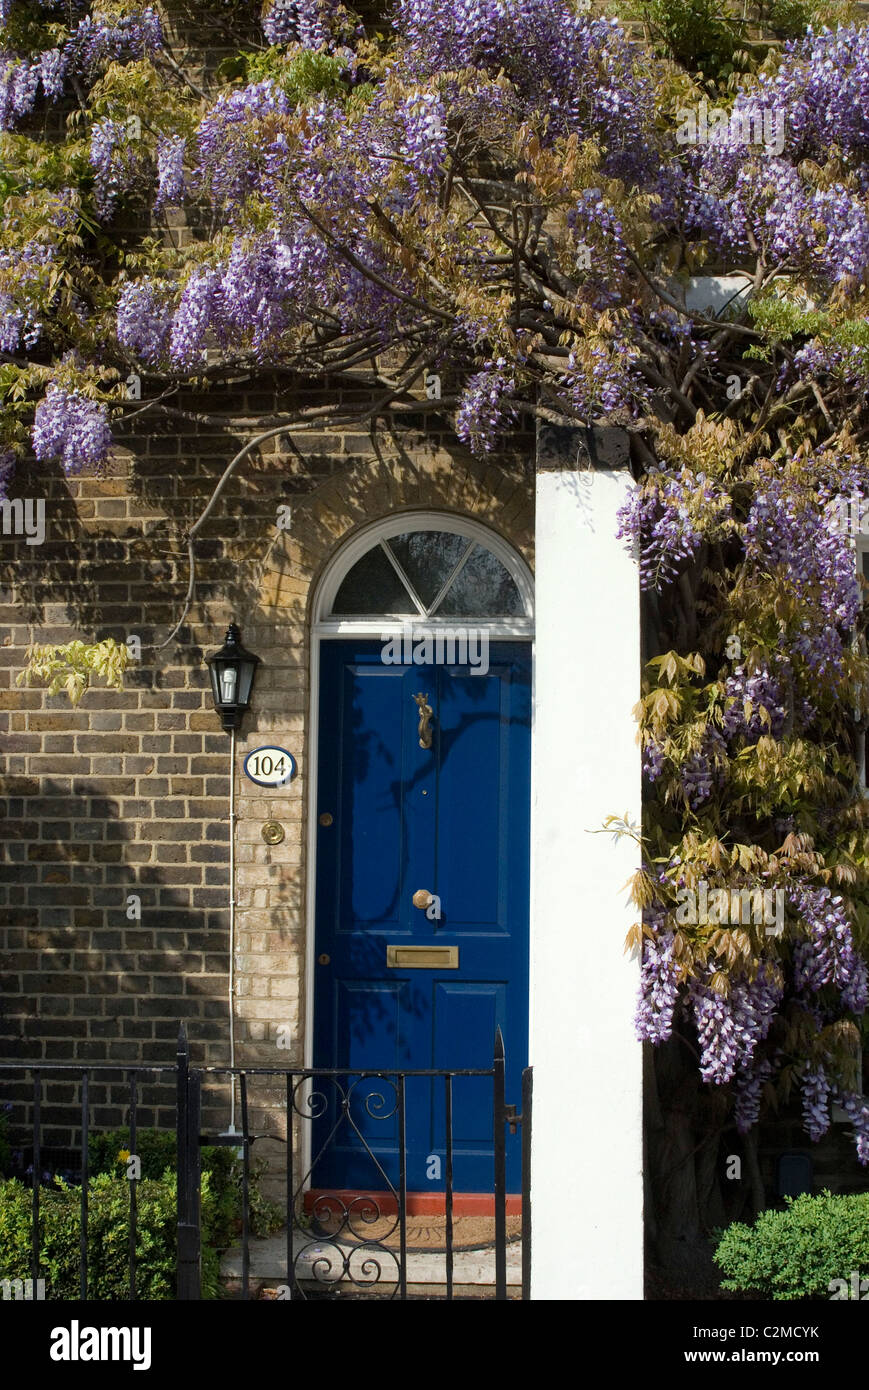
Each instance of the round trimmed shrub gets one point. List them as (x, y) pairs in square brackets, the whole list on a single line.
[(801, 1251)]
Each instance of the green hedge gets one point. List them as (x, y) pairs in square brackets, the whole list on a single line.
[(157, 1150), (108, 1237), (798, 1252), (109, 1219)]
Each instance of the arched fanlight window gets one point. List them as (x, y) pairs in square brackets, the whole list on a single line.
[(437, 570)]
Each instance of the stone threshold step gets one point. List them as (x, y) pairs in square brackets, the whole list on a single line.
[(268, 1262)]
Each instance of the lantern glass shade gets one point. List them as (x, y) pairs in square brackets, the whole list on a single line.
[(232, 671)]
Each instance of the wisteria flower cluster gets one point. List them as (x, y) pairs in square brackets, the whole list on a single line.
[(72, 428), (659, 520), (700, 772), (21, 278), (748, 1087), (601, 379), (600, 240), (19, 88), (421, 121), (308, 22), (815, 1089), (484, 409), (659, 989), (28, 269), (199, 313), (653, 760), (823, 84), (729, 1028), (829, 956), (234, 155), (583, 70), (748, 693), (736, 200), (144, 322), (787, 530), (116, 161), (847, 363), (857, 1110), (93, 42), (171, 184)]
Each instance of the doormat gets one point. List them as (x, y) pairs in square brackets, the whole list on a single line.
[(426, 1234)]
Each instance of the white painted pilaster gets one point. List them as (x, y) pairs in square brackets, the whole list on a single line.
[(586, 1175)]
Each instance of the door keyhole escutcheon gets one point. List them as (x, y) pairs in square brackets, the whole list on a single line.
[(425, 717)]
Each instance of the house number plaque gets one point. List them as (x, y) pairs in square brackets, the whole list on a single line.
[(269, 766)]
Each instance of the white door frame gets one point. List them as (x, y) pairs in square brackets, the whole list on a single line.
[(326, 628)]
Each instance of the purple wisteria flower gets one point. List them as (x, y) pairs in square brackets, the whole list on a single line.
[(484, 408), (829, 956), (792, 533), (99, 39), (815, 1088), (308, 22), (170, 170), (197, 315), (19, 87), (421, 121), (748, 1087), (583, 71), (113, 162), (659, 989), (601, 380), (69, 426), (144, 321), (761, 690), (846, 363), (857, 1110), (53, 64), (653, 760), (730, 1027), (93, 42), (656, 520), (232, 158), (823, 84)]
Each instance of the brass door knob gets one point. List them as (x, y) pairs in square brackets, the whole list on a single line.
[(422, 898)]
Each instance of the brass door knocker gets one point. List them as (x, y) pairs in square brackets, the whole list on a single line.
[(425, 716)]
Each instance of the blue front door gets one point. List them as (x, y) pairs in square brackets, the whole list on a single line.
[(451, 820)]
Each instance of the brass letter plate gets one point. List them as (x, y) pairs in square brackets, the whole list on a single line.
[(422, 957)]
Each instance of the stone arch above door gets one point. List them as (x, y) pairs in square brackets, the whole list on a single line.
[(500, 497), (432, 567)]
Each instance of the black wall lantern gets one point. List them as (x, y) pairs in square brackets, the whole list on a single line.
[(232, 671)]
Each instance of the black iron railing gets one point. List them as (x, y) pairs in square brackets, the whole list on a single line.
[(336, 1241), (41, 1072)]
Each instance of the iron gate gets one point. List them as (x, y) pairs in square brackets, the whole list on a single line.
[(331, 1246)]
